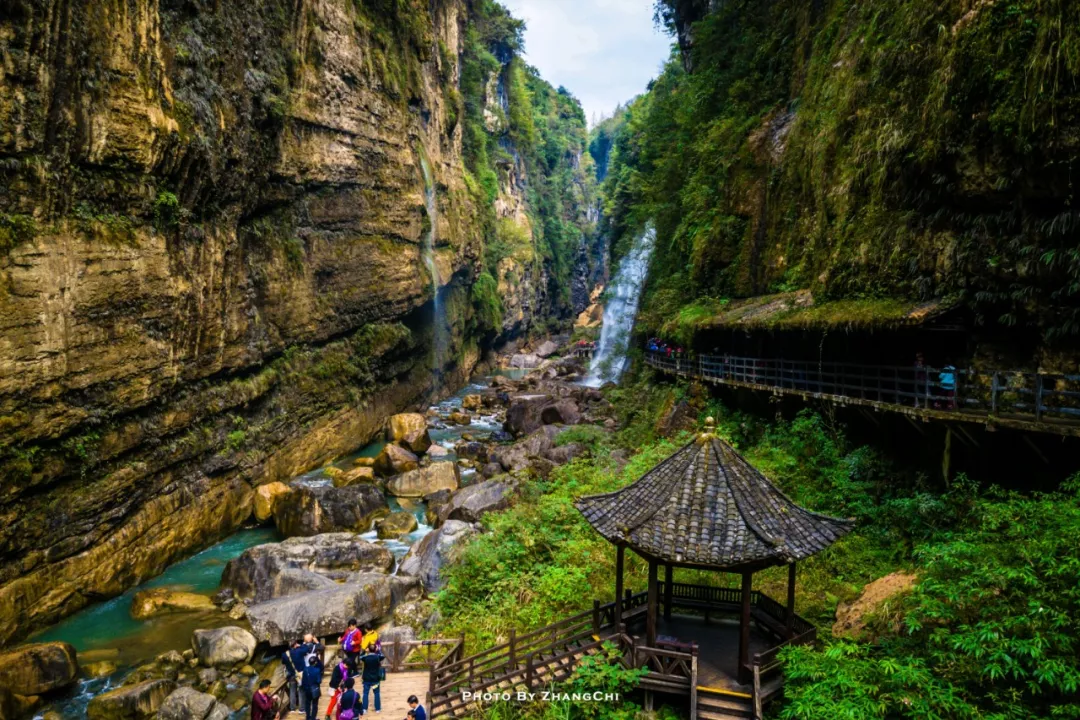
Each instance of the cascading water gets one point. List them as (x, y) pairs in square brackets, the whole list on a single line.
[(438, 320), (609, 360)]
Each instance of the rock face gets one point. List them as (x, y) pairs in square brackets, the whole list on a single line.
[(395, 459), (131, 702), (223, 646), (309, 511), (37, 668), (425, 480), (187, 703), (266, 499), (154, 601), (396, 524), (214, 276), (366, 597), (299, 564), (439, 547), (470, 503)]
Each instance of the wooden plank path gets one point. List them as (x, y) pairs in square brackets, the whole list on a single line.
[(395, 690)]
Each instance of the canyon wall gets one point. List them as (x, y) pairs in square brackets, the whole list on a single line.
[(212, 224)]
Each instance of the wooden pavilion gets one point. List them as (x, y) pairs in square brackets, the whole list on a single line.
[(707, 508)]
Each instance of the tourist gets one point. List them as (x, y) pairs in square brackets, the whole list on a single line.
[(371, 663), (350, 641), (311, 687), (417, 710), (316, 648), (292, 660), (262, 703), (350, 706), (371, 640), (947, 381), (342, 672)]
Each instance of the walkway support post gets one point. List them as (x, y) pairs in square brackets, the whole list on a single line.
[(654, 592), (620, 557), (791, 600), (668, 588), (744, 628)]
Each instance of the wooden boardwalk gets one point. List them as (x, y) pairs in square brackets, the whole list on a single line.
[(394, 691)]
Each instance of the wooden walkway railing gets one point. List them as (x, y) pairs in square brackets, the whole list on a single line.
[(1045, 401), (541, 657)]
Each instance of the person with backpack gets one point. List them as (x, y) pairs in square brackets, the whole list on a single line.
[(351, 640), (342, 672), (292, 660), (350, 707), (372, 674), (311, 687)]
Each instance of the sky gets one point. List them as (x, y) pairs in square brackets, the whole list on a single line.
[(605, 52)]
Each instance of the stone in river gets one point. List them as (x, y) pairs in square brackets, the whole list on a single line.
[(187, 703), (472, 502), (313, 510), (437, 451), (425, 480), (38, 667), (402, 424), (471, 402), (98, 669), (525, 361), (366, 597), (396, 524), (131, 702), (155, 601), (459, 418), (356, 475), (395, 459), (300, 564), (547, 349), (265, 498), (438, 548), (364, 461), (223, 646)]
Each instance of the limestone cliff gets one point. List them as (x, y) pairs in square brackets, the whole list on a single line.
[(212, 225)]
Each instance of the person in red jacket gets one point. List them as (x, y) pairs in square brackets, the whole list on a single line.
[(262, 704)]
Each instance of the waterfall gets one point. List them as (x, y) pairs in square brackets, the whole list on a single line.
[(439, 331), (624, 292)]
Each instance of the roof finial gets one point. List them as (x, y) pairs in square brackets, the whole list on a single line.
[(709, 431)]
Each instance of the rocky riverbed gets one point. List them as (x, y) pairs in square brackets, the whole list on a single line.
[(365, 536)]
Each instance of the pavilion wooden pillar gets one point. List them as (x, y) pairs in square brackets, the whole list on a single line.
[(744, 628), (654, 598), (791, 600), (668, 587), (620, 557)]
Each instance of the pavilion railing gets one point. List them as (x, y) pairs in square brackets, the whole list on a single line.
[(1036, 397)]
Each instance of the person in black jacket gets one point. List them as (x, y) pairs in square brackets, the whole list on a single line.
[(292, 660), (311, 687), (350, 700), (371, 662)]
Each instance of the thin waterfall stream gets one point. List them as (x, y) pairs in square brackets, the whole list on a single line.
[(439, 330)]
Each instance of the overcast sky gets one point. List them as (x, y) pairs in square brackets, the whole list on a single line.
[(603, 51)]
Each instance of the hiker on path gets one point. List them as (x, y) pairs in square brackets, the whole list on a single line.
[(262, 704), (342, 672), (350, 706), (371, 664), (293, 662), (350, 642), (311, 687), (371, 640)]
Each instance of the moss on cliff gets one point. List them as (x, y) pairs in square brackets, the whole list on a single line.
[(863, 150)]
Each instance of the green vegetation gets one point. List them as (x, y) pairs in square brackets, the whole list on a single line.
[(16, 229), (487, 305), (862, 151), (990, 631)]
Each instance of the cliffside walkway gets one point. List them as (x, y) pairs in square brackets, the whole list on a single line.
[(1040, 402)]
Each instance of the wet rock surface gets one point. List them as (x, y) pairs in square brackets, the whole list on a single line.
[(131, 702), (309, 511), (147, 603)]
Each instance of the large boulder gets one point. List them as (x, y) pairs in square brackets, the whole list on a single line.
[(301, 564), (352, 476), (187, 703), (223, 646), (471, 402), (547, 349), (38, 667), (131, 702), (309, 511), (425, 480), (439, 547), (266, 497), (155, 601), (520, 455), (396, 524), (471, 502), (403, 424), (525, 361), (394, 460), (366, 597), (523, 415)]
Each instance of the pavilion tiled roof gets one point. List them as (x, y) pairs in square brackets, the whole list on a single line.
[(706, 506)]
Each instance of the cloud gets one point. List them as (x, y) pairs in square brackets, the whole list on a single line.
[(603, 51)]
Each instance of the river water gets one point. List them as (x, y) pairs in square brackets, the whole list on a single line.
[(106, 630), (620, 310)]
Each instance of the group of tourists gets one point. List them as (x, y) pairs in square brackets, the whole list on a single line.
[(354, 679), (656, 345)]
